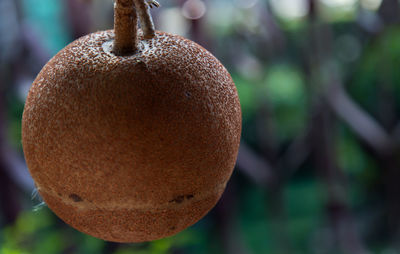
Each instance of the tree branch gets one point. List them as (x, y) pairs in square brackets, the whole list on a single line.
[(254, 167), (363, 125)]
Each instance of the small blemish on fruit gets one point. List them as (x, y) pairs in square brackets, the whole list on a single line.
[(177, 199), (181, 198), (172, 228), (188, 94), (75, 198)]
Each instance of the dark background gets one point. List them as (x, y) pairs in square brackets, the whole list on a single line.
[(319, 83)]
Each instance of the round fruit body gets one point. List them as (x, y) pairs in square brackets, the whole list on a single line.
[(131, 148)]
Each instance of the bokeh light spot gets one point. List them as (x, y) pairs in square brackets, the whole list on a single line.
[(194, 9), (171, 20), (340, 3), (290, 9), (371, 4)]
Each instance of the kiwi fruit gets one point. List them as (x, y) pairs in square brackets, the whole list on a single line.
[(131, 141)]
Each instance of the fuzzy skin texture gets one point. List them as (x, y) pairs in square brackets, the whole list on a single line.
[(133, 148)]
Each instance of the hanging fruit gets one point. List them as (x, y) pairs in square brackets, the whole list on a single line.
[(131, 134)]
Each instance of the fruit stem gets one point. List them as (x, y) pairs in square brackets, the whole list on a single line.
[(126, 14), (146, 21), (125, 28)]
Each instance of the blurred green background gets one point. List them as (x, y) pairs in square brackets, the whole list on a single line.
[(319, 83)]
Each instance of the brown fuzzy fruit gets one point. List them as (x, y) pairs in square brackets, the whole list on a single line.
[(132, 148)]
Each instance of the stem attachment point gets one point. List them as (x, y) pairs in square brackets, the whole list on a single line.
[(126, 14)]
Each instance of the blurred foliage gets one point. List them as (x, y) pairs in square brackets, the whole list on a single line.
[(41, 232), (47, 18), (284, 90), (15, 109), (378, 73)]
